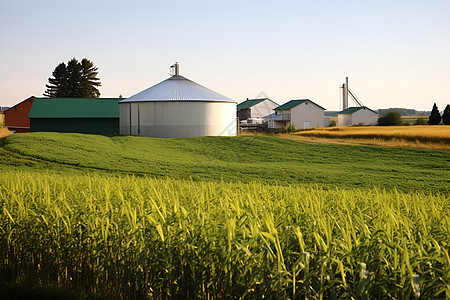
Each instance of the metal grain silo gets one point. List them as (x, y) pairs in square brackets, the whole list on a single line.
[(178, 107)]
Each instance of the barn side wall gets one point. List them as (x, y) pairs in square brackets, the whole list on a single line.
[(107, 126), (244, 114), (365, 117), (178, 119), (344, 120), (263, 109), (16, 117), (307, 115)]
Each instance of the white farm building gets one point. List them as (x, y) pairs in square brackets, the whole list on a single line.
[(357, 115), (178, 107), (302, 113), (255, 109)]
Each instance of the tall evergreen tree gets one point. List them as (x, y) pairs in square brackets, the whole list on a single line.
[(435, 117), (57, 86), (446, 115), (74, 80), (89, 80)]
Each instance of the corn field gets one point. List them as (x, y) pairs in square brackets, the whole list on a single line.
[(131, 237)]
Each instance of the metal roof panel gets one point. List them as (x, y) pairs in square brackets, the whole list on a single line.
[(252, 102), (293, 103), (75, 108), (352, 110), (177, 88)]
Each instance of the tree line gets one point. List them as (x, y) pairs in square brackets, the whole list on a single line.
[(394, 118)]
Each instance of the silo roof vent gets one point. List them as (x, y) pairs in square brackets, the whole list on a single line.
[(175, 69)]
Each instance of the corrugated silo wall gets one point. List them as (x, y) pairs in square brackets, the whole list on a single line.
[(178, 119), (124, 123)]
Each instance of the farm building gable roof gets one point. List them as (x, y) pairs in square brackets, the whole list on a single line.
[(293, 103), (252, 102), (352, 110), (75, 108), (177, 88)]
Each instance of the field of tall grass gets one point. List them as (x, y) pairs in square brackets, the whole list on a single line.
[(433, 136), (264, 159), (135, 237)]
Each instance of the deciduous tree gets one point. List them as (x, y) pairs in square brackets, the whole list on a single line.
[(391, 119)]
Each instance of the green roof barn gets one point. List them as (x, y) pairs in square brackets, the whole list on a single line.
[(357, 115), (82, 115), (255, 108)]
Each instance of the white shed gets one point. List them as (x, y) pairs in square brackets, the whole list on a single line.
[(302, 113), (178, 107), (357, 115)]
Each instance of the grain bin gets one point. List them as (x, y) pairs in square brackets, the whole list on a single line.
[(178, 107)]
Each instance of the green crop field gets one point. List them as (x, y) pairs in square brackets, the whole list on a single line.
[(222, 218), (239, 159)]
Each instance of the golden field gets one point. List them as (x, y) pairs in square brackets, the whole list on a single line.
[(4, 132), (425, 136)]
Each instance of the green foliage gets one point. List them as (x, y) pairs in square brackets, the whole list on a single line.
[(446, 115), (435, 117), (74, 80), (421, 121), (401, 111), (27, 291), (391, 119), (242, 158), (127, 237), (332, 123), (289, 128)]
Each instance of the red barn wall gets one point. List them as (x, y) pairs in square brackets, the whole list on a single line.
[(16, 117)]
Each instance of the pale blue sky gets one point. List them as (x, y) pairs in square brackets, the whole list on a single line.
[(395, 53)]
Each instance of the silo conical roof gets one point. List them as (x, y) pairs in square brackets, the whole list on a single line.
[(177, 88)]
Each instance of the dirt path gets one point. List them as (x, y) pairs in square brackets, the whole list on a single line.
[(317, 140)]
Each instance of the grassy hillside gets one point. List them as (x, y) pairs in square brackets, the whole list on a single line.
[(74, 221), (244, 158)]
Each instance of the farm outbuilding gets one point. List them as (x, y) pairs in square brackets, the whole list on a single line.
[(178, 107), (302, 113), (255, 108), (81, 115), (16, 117), (357, 115)]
